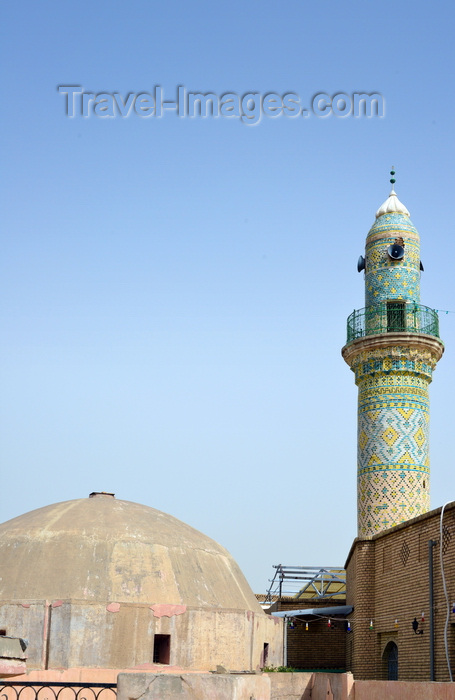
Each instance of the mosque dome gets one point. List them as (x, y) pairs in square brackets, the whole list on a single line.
[(102, 549), (103, 583)]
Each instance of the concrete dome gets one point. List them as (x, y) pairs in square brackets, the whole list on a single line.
[(103, 549)]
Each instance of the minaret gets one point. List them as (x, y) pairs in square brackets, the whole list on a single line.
[(392, 347)]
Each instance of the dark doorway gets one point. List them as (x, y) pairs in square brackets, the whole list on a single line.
[(161, 648), (265, 654), (391, 659)]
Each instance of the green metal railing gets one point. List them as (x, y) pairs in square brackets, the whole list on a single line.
[(393, 317)]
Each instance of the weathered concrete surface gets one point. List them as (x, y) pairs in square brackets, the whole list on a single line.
[(403, 690), (12, 656), (314, 686), (84, 633), (290, 686), (104, 549), (8, 669), (196, 686), (91, 582), (280, 686), (274, 686), (87, 635), (92, 675), (26, 620), (267, 686), (12, 648)]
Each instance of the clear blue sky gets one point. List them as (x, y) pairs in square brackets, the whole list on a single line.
[(174, 292)]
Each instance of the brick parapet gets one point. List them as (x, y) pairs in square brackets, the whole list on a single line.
[(397, 560)]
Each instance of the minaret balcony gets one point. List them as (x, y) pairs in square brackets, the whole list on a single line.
[(394, 316)]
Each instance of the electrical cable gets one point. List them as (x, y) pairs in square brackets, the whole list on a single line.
[(446, 644)]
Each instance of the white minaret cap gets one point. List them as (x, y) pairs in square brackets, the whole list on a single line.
[(392, 205)]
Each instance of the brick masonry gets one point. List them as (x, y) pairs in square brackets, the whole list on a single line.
[(388, 584), (319, 646)]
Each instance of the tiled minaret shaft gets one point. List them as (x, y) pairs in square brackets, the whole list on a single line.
[(392, 347)]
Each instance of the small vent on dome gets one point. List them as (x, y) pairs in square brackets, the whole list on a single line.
[(100, 494)]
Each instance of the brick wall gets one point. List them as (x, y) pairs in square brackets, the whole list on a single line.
[(319, 647), (360, 587), (388, 582)]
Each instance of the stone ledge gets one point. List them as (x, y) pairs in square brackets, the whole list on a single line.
[(192, 686), (380, 341)]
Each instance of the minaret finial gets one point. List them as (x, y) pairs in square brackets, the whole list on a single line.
[(392, 203), (392, 179)]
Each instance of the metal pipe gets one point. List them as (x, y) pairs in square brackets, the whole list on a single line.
[(285, 645), (431, 544), (46, 635)]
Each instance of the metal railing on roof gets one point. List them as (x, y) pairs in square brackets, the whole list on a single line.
[(392, 317), (41, 690), (302, 582)]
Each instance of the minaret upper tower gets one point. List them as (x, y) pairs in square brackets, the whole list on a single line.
[(392, 347)]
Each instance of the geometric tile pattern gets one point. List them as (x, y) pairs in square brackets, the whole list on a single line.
[(387, 279), (393, 467), (390, 497), (393, 448)]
